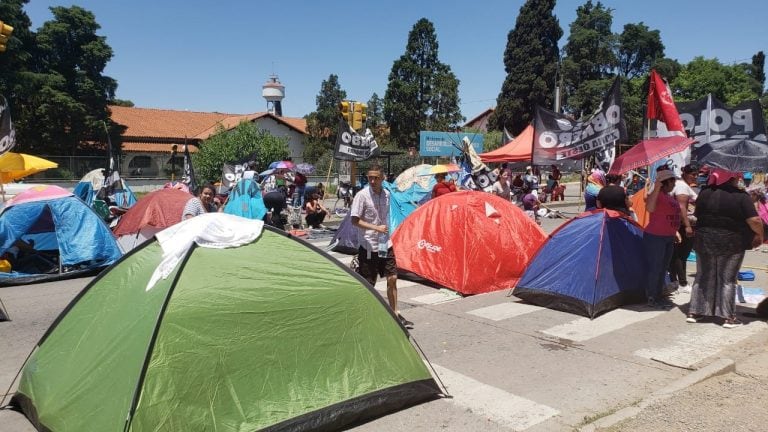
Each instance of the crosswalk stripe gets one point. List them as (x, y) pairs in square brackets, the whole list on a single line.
[(442, 296), (583, 329), (504, 310), (701, 341), (381, 284), (499, 406)]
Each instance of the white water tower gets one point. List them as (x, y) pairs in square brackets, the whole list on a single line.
[(273, 92)]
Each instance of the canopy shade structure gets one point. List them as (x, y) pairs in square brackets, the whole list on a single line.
[(517, 150), (14, 166)]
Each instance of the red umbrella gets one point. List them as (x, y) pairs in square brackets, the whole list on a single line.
[(649, 151)]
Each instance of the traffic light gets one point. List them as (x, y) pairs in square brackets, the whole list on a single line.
[(5, 34), (359, 115), (344, 107)]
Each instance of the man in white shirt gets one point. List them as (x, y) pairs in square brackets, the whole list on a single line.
[(370, 214)]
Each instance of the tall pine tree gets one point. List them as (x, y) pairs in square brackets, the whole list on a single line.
[(422, 92), (530, 60), (590, 58), (323, 123)]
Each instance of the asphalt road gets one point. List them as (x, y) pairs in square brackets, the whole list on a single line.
[(508, 365)]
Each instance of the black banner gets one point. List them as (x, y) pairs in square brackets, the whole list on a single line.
[(189, 171), (558, 137), (7, 133), (733, 138), (232, 173), (352, 146)]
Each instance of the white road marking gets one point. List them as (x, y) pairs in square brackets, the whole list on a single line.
[(442, 296), (583, 329), (499, 406), (699, 342), (381, 284), (504, 310)]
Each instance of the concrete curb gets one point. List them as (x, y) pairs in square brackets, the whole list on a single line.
[(719, 367)]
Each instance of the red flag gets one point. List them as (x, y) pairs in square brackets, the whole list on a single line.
[(661, 106)]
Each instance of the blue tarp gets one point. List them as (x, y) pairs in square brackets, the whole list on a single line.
[(245, 200), (591, 264), (123, 197), (65, 227)]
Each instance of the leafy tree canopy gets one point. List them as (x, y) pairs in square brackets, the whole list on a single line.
[(323, 124), (639, 47), (730, 84), (530, 60), (422, 92), (226, 146)]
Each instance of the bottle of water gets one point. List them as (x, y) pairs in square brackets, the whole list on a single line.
[(383, 237)]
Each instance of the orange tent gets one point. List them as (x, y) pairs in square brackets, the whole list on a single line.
[(517, 150), (471, 242)]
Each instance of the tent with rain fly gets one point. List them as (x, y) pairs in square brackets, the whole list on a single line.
[(152, 213), (98, 195), (468, 241), (231, 339), (245, 200), (53, 234), (519, 149), (591, 264)]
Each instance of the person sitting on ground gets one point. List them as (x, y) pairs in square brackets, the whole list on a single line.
[(442, 187), (531, 204), (203, 203), (613, 196), (315, 212)]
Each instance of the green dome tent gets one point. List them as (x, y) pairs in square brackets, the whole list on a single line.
[(235, 339)]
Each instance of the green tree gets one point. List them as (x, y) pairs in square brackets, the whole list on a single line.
[(730, 84), (323, 123), (758, 68), (638, 49), (65, 96), (590, 55), (229, 145), (530, 61), (15, 62), (375, 110), (668, 68), (422, 92)]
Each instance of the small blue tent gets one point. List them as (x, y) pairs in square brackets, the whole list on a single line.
[(590, 265), (62, 237), (245, 200), (91, 188)]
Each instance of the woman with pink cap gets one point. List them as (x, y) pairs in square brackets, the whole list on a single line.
[(727, 224)]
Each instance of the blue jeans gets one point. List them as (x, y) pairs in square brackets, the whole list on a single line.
[(658, 253)]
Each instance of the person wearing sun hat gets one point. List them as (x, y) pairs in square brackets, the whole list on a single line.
[(660, 235), (727, 224)]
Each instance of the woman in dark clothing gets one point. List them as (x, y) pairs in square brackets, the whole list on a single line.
[(727, 224)]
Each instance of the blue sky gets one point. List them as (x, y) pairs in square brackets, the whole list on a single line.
[(214, 56)]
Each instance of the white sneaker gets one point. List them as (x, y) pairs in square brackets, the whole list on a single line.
[(684, 289)]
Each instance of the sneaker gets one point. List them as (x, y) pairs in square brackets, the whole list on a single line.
[(693, 319), (407, 324), (732, 323), (684, 289)]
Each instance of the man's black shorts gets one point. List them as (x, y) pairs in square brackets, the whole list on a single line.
[(369, 268)]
